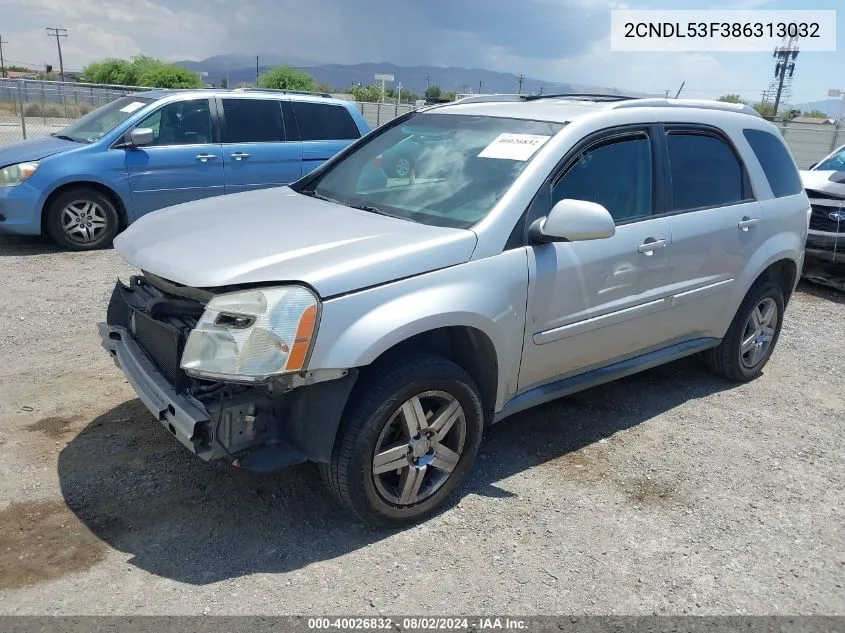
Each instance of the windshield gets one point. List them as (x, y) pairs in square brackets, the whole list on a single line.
[(103, 120), (834, 162), (438, 169)]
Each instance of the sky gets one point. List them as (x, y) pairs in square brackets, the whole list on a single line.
[(552, 40)]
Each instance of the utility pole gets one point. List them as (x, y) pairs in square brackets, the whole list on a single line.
[(783, 65), (427, 81), (256, 71), (520, 79), (678, 94), (480, 84), (58, 33), (2, 64)]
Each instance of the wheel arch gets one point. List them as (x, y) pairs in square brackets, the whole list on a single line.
[(105, 190)]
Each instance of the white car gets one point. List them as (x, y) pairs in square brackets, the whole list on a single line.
[(825, 251)]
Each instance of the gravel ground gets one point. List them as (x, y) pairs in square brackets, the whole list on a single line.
[(667, 492)]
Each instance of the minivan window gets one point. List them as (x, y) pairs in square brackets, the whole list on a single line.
[(324, 122), (453, 182), (616, 175), (705, 171), (776, 162), (180, 123), (253, 121), (94, 125)]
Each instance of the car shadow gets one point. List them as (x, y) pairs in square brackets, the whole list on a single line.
[(17, 245), (821, 290), (178, 517)]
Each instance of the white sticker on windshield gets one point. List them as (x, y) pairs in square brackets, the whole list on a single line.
[(514, 146), (131, 107)]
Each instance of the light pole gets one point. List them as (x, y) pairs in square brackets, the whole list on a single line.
[(840, 94)]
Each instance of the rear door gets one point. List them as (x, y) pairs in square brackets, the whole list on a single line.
[(716, 226), (325, 129), (257, 152), (183, 163)]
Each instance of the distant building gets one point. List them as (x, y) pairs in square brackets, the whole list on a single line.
[(814, 120)]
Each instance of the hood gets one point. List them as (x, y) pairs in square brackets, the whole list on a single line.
[(823, 181), (278, 235), (34, 149)]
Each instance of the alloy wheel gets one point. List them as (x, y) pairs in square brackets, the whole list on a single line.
[(403, 167), (419, 448), (759, 333)]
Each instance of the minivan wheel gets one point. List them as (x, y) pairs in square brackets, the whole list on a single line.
[(752, 335), (407, 442), (402, 167), (82, 219)]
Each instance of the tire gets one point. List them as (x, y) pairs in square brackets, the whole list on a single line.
[(91, 216), (377, 419), (728, 359), (402, 167)]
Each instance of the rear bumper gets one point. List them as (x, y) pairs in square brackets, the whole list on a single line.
[(20, 210)]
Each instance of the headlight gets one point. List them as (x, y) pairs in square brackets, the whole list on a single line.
[(16, 174), (252, 335)]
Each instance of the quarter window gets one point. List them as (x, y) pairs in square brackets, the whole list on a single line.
[(180, 123), (324, 122), (253, 121), (705, 172), (616, 174)]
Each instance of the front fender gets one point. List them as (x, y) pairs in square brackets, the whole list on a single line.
[(488, 295)]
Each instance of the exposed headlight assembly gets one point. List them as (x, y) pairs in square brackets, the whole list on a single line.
[(253, 335), (12, 175)]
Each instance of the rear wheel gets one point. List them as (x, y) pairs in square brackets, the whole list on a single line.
[(752, 335), (402, 167), (408, 441), (82, 219)]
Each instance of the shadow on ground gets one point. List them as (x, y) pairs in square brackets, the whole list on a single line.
[(822, 291), (22, 245), (138, 490)]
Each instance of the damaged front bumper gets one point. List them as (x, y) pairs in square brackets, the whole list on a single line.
[(260, 427)]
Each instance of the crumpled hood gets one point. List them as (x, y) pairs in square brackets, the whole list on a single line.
[(33, 149), (824, 181), (278, 235)]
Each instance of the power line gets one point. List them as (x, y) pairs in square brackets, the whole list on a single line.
[(2, 65), (58, 34)]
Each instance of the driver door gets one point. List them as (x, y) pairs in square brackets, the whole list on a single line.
[(183, 163), (594, 302)]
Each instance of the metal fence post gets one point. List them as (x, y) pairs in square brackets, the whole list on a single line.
[(378, 114), (23, 118)]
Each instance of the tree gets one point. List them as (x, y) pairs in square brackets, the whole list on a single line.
[(449, 96), (287, 78), (224, 83), (815, 114), (367, 94), (731, 98), (432, 93), (765, 108), (324, 87), (167, 76), (109, 71)]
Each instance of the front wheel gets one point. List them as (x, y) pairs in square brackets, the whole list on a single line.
[(408, 441), (82, 219), (752, 335)]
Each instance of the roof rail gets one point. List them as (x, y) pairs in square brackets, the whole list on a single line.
[(702, 104), (287, 92), (575, 96)]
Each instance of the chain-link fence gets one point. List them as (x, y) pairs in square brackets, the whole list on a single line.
[(30, 108), (810, 142)]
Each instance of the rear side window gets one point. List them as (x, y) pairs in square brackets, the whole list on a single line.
[(705, 171), (776, 162), (253, 121), (324, 122)]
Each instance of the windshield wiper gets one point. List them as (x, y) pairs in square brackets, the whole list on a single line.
[(313, 194), (66, 137), (371, 209)]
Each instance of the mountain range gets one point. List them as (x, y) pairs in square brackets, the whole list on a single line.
[(242, 69)]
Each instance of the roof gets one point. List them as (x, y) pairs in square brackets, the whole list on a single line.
[(161, 93), (810, 119), (567, 108)]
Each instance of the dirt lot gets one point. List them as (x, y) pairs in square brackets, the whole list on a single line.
[(669, 492)]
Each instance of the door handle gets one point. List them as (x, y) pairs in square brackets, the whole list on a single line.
[(650, 245), (205, 157), (239, 155), (746, 223)]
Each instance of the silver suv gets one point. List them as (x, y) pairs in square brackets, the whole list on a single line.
[(376, 324)]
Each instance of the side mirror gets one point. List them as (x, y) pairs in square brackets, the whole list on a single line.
[(813, 165), (141, 136), (573, 221)]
